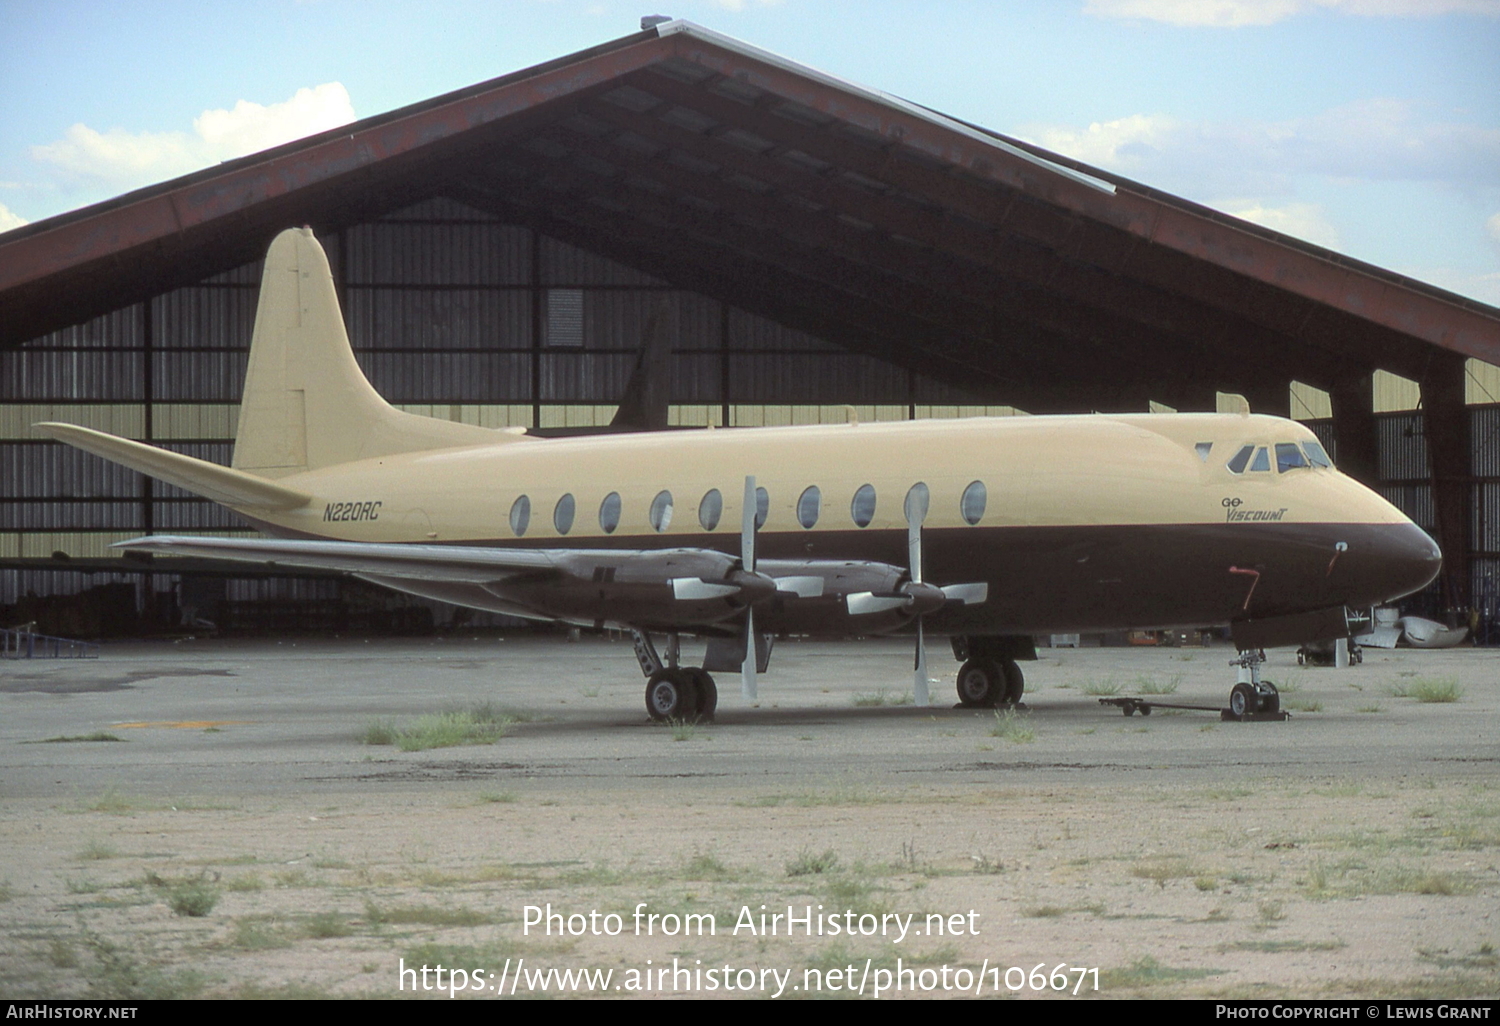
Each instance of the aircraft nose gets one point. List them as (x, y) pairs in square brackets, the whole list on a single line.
[(1402, 559)]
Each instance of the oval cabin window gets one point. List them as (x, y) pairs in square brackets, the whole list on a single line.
[(762, 507), (915, 506), (661, 511), (562, 514), (862, 509), (609, 512), (520, 516), (971, 506), (809, 504), (710, 509)]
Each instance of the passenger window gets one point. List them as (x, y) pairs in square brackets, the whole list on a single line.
[(1316, 455), (862, 509), (1262, 462), (971, 506), (520, 516), (762, 507), (609, 512), (562, 514), (809, 504), (915, 506), (1289, 457), (1238, 461), (710, 509), (661, 511)]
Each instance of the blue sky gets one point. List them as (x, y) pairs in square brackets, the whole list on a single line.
[(1369, 126)]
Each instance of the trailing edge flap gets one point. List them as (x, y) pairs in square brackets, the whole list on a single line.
[(221, 484), (458, 563)]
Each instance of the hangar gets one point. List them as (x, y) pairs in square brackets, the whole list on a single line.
[(676, 229)]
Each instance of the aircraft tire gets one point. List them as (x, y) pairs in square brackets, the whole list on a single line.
[(982, 684), (707, 691), (1243, 701), (1270, 702), (1015, 682), (671, 695)]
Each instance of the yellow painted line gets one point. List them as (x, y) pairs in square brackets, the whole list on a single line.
[(184, 724)]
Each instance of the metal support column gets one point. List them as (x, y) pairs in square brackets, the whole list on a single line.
[(1353, 403), (1446, 424)]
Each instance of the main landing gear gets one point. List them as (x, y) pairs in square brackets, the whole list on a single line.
[(674, 692), (990, 675)]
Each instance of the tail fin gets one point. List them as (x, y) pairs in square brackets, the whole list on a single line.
[(306, 403)]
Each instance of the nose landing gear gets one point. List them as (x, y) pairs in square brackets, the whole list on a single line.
[(1252, 698)]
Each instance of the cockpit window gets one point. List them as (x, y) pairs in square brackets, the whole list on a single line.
[(1289, 457), (1203, 449), (1316, 454), (1262, 462), (1240, 459)]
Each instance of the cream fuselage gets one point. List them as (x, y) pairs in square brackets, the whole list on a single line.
[(1089, 522)]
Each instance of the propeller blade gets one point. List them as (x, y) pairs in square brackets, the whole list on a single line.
[(747, 668), (914, 549), (968, 594), (919, 689), (862, 603), (696, 589), (747, 526), (802, 587)]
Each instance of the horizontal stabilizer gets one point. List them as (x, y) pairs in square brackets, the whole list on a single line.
[(221, 484)]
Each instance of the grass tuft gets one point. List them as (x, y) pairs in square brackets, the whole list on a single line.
[(883, 697), (808, 864), (1012, 727), (481, 724)]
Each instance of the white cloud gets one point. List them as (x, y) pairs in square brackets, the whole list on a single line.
[(1374, 140), (119, 159), (9, 220), (1304, 221), (1493, 227), (1240, 13)]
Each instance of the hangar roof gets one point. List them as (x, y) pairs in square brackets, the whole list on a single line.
[(860, 217)]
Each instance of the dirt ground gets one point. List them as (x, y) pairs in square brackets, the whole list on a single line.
[(240, 839)]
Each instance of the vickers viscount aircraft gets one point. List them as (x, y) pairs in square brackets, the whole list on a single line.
[(986, 530)]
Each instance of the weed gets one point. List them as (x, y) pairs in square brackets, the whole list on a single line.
[(1146, 972), (97, 851), (682, 730), (707, 866), (1429, 689), (1206, 883), (808, 864), (496, 797), (1011, 727), (1370, 709), (1169, 867), (985, 866), (327, 924), (481, 724), (379, 732), (1103, 688), (883, 697), (62, 954), (98, 735), (81, 885), (1271, 912), (246, 882), (110, 800), (259, 934), (1305, 705), (1151, 687), (116, 975), (1277, 947), (196, 899)]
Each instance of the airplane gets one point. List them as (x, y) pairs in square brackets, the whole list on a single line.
[(986, 530)]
